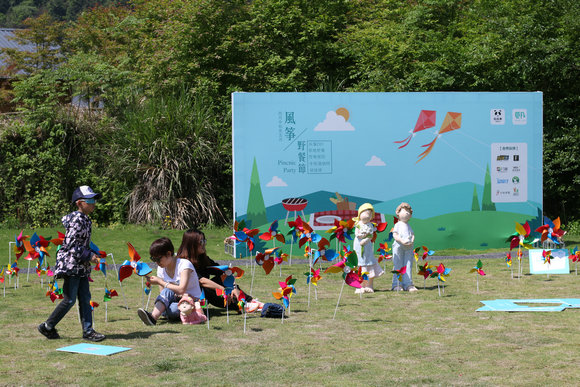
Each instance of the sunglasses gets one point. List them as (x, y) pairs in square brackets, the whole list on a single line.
[(89, 201)]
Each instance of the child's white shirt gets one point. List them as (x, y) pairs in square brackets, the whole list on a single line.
[(193, 288), (404, 231)]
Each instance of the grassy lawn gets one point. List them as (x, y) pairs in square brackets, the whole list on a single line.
[(383, 338)]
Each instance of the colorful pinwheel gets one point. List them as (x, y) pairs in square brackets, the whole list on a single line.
[(2, 272), (297, 228), (442, 272), (286, 290), (508, 260), (245, 235), (19, 248), (575, 257), (521, 237), (133, 266), (273, 233), (94, 305), (280, 257), (109, 294), (324, 252), (551, 230), (341, 230), (13, 270), (400, 273), (478, 268), (426, 120), (266, 259), (383, 251), (347, 266), (229, 276), (54, 292), (313, 276), (547, 256), (426, 253)]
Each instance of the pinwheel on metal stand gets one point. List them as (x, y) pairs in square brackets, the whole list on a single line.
[(442, 273)]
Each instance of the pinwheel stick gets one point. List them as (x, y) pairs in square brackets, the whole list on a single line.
[(253, 272), (148, 299), (338, 302), (438, 288), (120, 283), (477, 277), (28, 272), (310, 269), (245, 318), (519, 262), (207, 313), (106, 310), (9, 261)]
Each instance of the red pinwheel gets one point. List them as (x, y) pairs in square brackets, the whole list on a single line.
[(400, 273), (266, 259), (273, 233), (551, 230), (94, 305), (442, 272), (280, 257), (425, 270), (133, 266), (521, 237), (54, 292), (426, 120), (297, 228), (575, 257), (341, 230), (313, 276)]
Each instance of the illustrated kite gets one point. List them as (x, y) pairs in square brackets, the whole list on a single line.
[(452, 121), (133, 266), (266, 259), (551, 230), (273, 233), (426, 120)]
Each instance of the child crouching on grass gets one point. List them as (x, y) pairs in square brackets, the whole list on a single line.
[(175, 277)]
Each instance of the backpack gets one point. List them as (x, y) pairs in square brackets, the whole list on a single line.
[(272, 310)]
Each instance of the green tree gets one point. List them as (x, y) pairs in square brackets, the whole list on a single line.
[(486, 203), (256, 212), (475, 200)]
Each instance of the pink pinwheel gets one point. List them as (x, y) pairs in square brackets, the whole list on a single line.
[(347, 266), (400, 273), (547, 256), (551, 230), (280, 257), (273, 233), (426, 120), (266, 259), (19, 248), (442, 273)]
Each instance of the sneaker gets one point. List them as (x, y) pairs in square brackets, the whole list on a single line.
[(359, 291), (397, 289), (368, 290), (146, 317), (412, 289), (93, 335), (50, 334)]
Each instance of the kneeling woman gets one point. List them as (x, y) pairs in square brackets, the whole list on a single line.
[(193, 248), (175, 278)]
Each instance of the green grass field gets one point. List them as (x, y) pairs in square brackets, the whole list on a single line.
[(383, 338)]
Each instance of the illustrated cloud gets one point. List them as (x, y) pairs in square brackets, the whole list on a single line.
[(276, 182), (375, 162), (334, 123)]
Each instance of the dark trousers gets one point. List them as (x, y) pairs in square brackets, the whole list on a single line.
[(73, 288)]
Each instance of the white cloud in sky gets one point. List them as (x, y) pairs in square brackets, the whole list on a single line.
[(334, 123), (276, 182), (375, 162)]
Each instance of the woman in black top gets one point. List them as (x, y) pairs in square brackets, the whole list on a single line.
[(193, 248)]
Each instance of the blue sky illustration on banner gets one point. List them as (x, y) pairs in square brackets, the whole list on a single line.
[(464, 161)]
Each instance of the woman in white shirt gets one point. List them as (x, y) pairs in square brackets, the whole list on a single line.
[(175, 277)]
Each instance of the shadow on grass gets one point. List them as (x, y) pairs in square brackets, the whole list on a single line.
[(137, 335)]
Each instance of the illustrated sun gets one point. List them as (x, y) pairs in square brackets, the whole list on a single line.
[(343, 112)]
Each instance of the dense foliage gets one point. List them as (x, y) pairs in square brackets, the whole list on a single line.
[(163, 71)]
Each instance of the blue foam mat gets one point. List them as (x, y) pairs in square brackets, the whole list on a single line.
[(512, 305), (93, 349)]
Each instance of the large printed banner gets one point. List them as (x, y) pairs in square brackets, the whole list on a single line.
[(470, 164)]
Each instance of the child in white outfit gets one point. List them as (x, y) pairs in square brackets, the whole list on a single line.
[(365, 232), (403, 248)]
